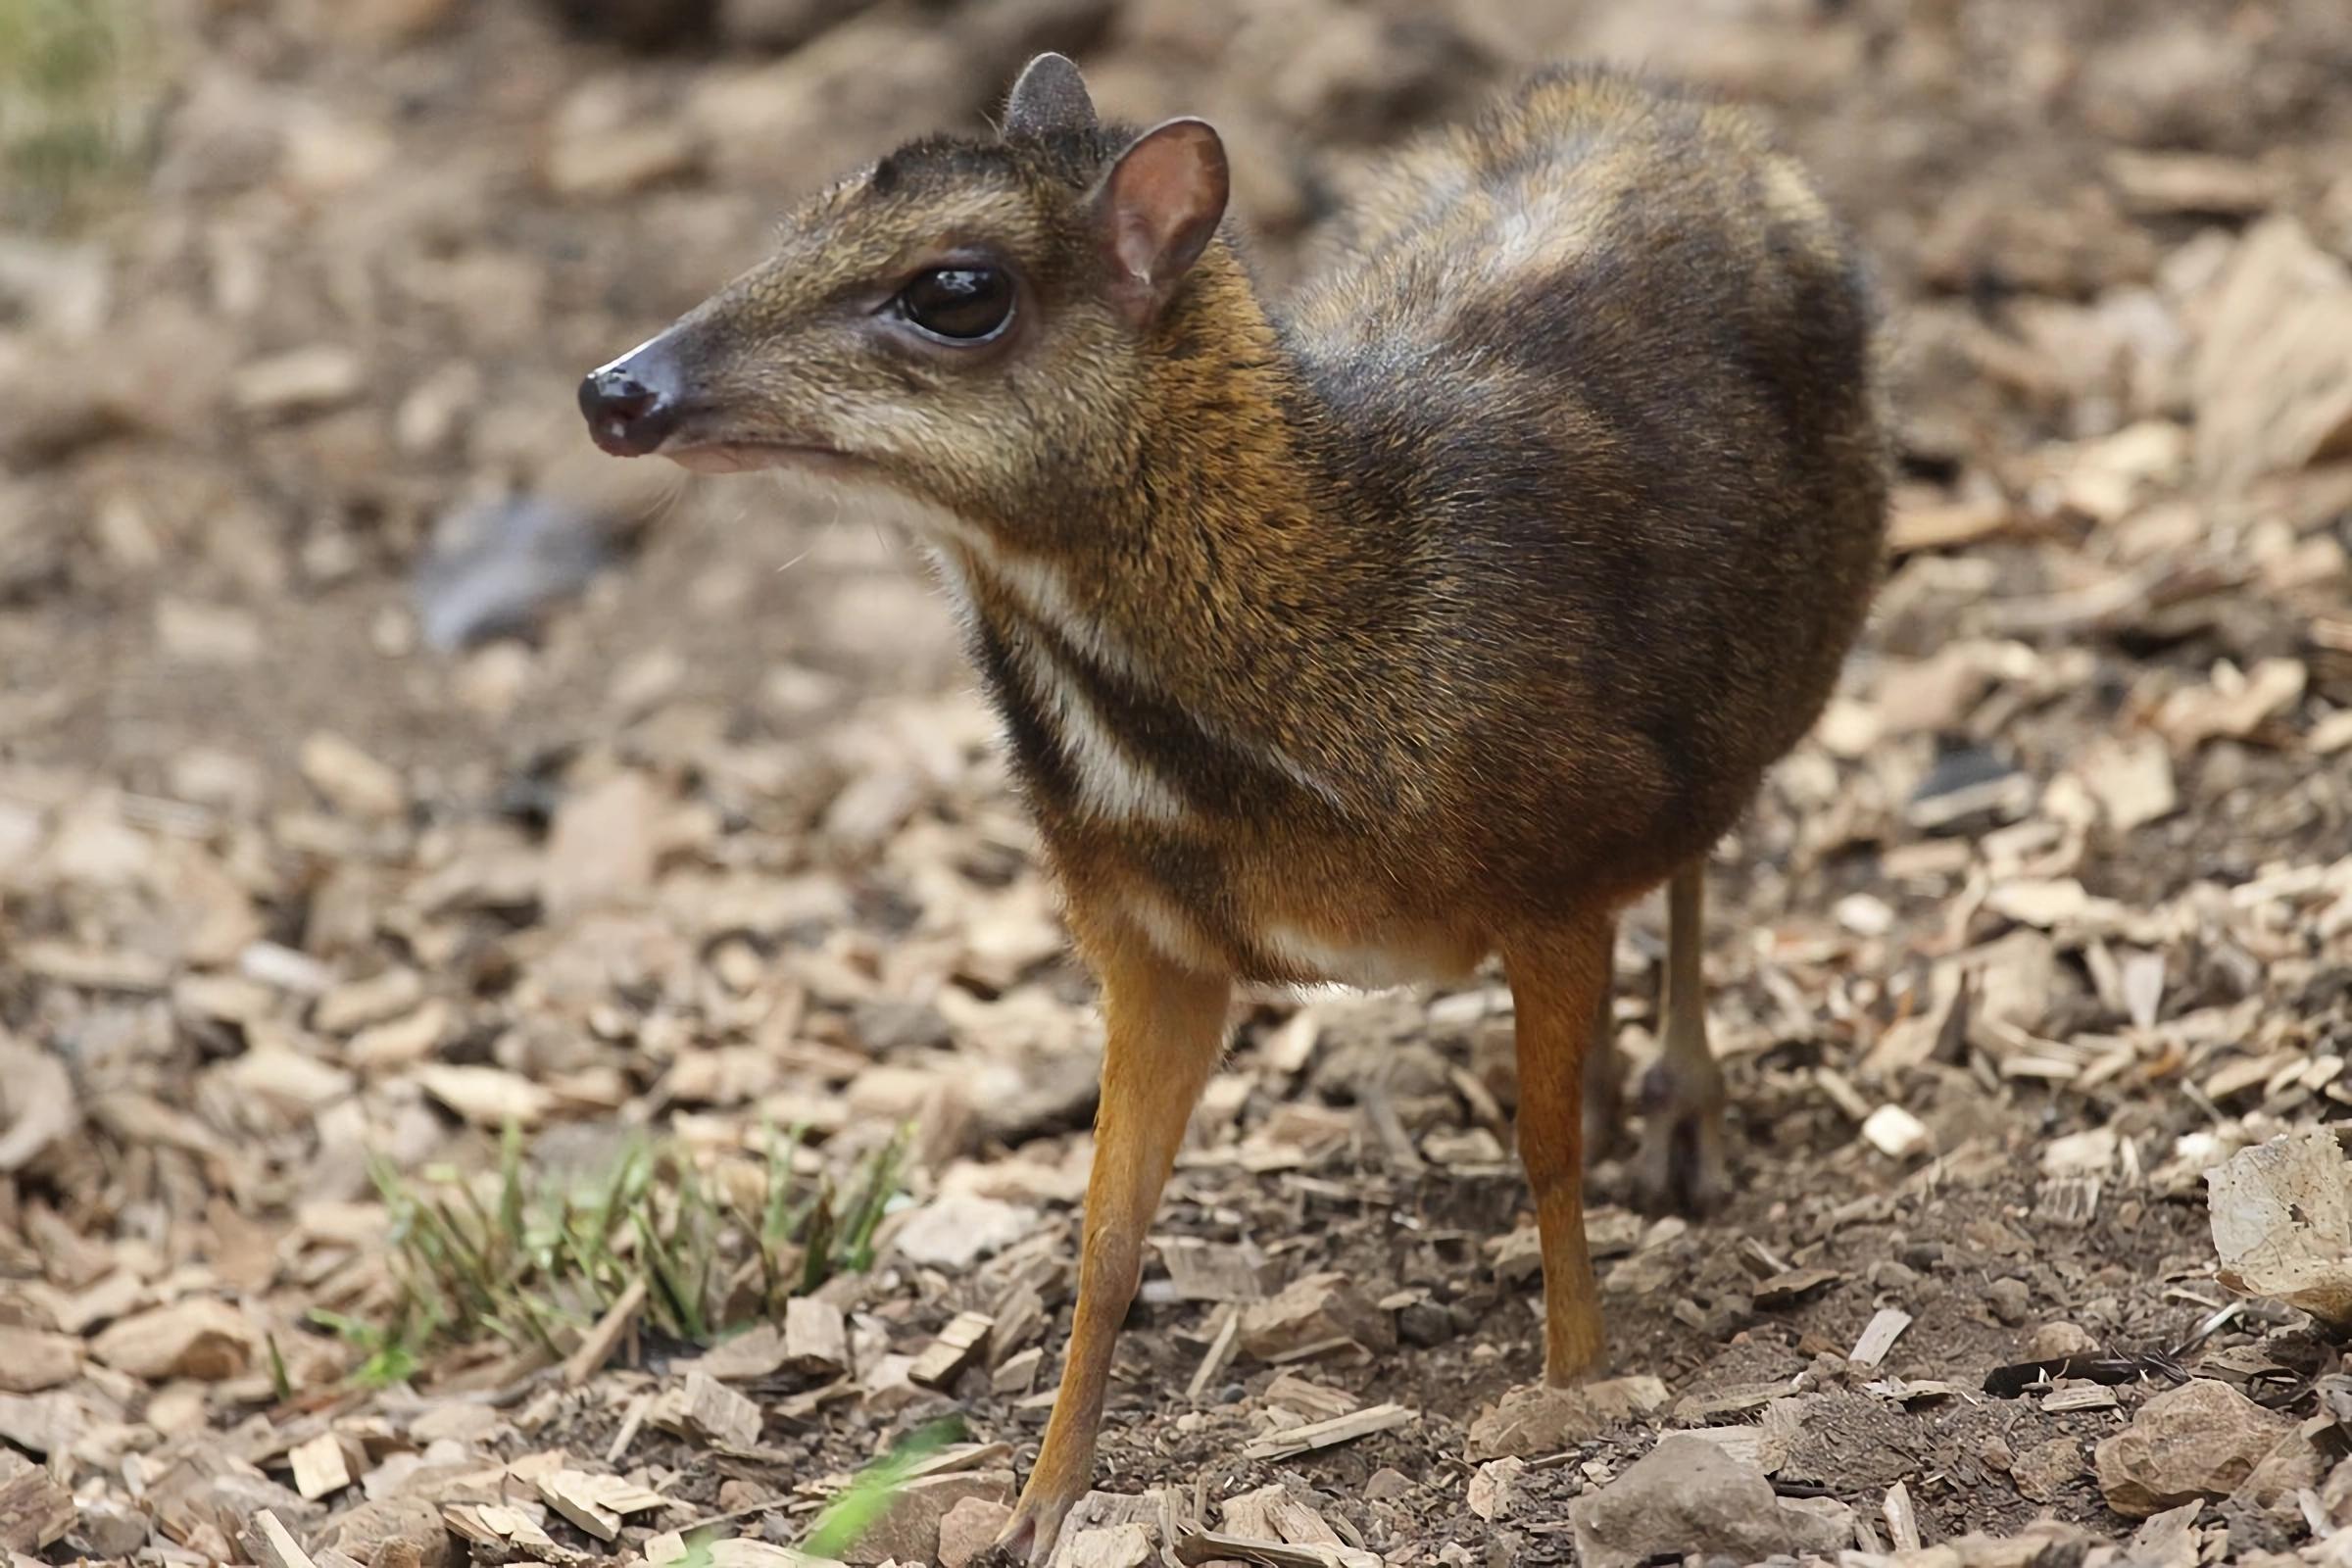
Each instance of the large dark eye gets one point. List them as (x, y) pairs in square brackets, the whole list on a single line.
[(961, 302)]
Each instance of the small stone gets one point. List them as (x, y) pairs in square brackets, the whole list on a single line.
[(198, 1337), (2200, 1439), (911, 1525), (2055, 1341), (1426, 1324), (970, 1528), (2010, 1300), (1689, 1496), (1820, 1527), (1388, 1483), (2046, 1469), (1539, 1419)]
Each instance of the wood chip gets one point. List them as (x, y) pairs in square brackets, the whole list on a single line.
[(2074, 1395), (962, 1344), (736, 1551), (487, 1096), (596, 1345), (273, 1545), (1902, 1518), (1329, 1434), (198, 1337), (756, 1352), (1210, 1271), (34, 1511), (631, 1422), (1946, 525), (1309, 1399), (817, 1338), (1879, 1334), (327, 1463), (1224, 1339), (33, 1359), (1021, 1314), (2234, 705), (1898, 1134), (597, 1503), (1110, 1546), (1793, 1286), (1318, 1315), (351, 780), (1017, 1374), (36, 1102), (1737, 1400), (498, 1525), (706, 1408)]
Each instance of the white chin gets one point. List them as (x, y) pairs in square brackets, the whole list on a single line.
[(731, 459)]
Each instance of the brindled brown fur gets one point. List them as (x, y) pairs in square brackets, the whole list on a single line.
[(1487, 578), (1437, 613)]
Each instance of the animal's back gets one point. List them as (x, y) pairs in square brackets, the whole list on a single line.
[(1626, 355)]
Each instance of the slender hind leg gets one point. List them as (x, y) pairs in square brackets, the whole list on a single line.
[(1604, 1069), (1556, 977), (1680, 1165)]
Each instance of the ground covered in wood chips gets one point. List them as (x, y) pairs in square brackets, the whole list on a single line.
[(381, 769)]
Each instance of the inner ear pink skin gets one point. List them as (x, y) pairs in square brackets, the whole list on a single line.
[(1159, 206)]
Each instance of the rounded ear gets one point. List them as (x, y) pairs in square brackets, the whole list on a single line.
[(1048, 96), (1156, 209)]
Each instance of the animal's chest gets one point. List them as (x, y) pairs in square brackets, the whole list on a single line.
[(1225, 851), (1266, 908)]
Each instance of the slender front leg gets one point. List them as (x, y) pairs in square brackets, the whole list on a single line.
[(1604, 1069), (1164, 1027), (1682, 1163), (1555, 976)]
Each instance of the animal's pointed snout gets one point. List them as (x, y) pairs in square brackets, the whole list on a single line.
[(633, 404)]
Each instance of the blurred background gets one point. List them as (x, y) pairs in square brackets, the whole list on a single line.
[(381, 767)]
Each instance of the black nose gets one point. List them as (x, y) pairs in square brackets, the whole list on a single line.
[(633, 404)]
